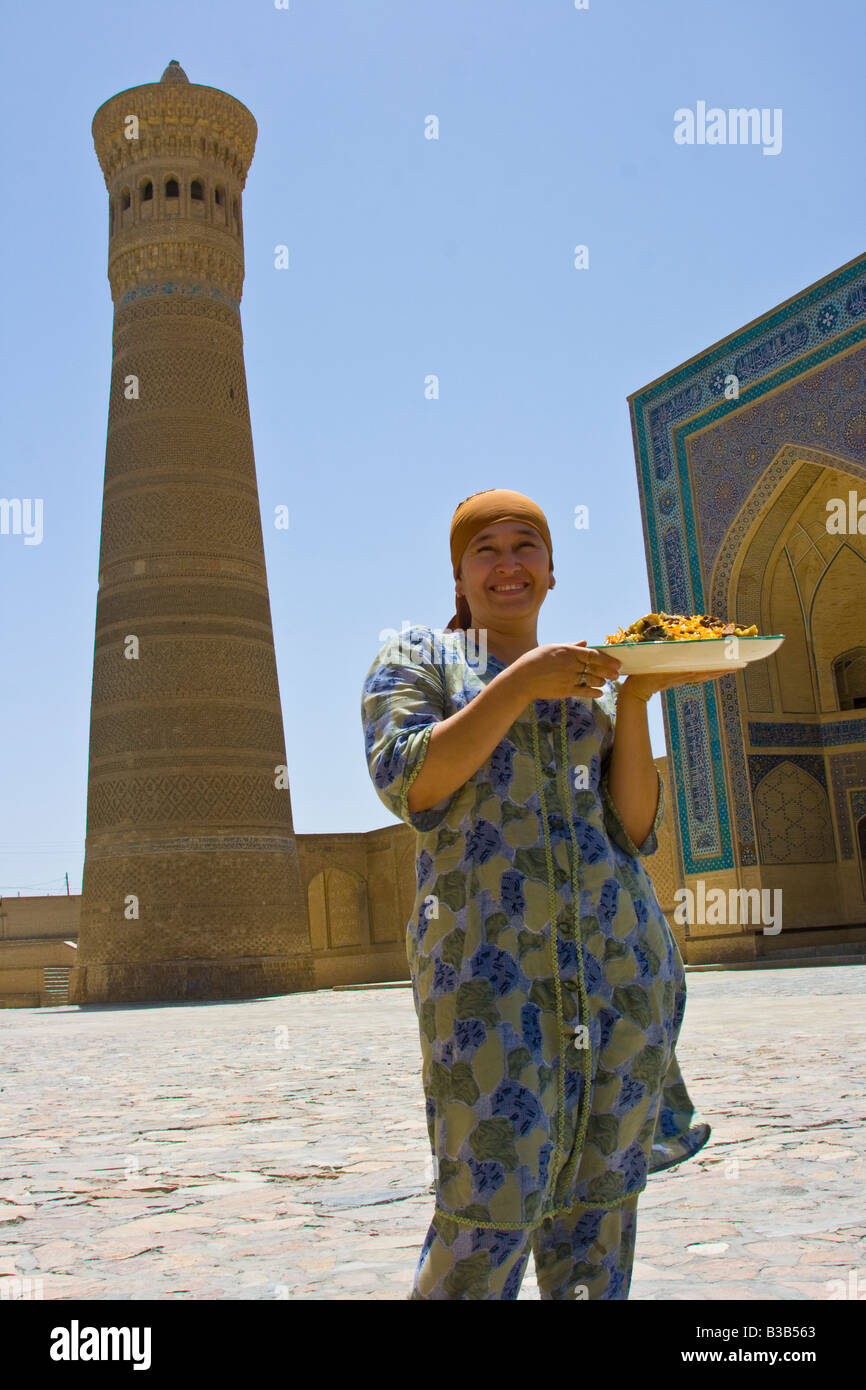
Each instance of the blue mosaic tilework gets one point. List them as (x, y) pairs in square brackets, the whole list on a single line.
[(812, 331), (738, 774), (774, 434), (695, 745), (762, 763), (807, 735), (823, 409), (177, 287)]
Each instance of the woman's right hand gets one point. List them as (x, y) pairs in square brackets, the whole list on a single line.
[(552, 671)]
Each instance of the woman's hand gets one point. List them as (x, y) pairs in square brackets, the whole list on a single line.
[(644, 687), (554, 670)]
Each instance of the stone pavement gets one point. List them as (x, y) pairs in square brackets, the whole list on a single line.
[(277, 1148)]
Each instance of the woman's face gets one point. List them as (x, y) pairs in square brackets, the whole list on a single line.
[(505, 553)]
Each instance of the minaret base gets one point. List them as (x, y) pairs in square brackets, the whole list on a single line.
[(169, 981)]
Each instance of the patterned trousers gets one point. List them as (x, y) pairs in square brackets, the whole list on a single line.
[(588, 1253)]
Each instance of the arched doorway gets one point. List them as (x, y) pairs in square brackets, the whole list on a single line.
[(849, 678)]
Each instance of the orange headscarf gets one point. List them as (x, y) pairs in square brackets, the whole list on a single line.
[(483, 509)]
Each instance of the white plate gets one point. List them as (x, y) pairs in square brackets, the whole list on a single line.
[(695, 654)]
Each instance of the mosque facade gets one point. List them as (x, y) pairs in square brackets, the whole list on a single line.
[(751, 467)]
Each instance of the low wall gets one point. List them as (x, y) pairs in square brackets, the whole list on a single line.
[(360, 889)]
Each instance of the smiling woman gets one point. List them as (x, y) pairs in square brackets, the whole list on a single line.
[(548, 985), (511, 560)]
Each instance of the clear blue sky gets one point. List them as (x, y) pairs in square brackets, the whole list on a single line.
[(407, 257)]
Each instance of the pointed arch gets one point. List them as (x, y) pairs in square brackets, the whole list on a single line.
[(338, 909), (777, 556), (849, 678), (793, 817)]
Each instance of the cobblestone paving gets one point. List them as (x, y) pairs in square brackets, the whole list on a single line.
[(277, 1148)]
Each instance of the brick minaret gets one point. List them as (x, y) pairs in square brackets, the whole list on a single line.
[(186, 825)]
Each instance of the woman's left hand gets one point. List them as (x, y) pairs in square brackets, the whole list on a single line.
[(644, 687)]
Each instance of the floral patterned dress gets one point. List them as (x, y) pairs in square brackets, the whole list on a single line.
[(549, 988)]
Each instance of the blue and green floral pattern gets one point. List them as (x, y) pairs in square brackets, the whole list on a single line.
[(548, 985)]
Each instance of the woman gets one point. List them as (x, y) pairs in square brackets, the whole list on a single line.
[(548, 985)]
